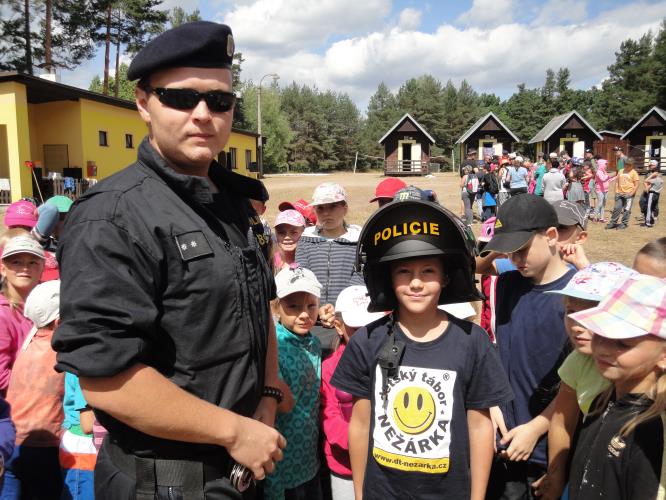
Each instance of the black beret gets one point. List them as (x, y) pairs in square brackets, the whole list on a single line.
[(201, 44)]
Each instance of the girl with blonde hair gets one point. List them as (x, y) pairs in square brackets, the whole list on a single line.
[(620, 453)]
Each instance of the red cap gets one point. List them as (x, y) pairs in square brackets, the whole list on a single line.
[(302, 207), (387, 188), (51, 271)]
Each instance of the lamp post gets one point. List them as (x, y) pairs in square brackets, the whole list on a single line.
[(260, 145)]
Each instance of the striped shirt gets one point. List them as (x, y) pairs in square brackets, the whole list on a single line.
[(332, 262)]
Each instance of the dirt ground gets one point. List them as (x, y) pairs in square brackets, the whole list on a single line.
[(619, 246)]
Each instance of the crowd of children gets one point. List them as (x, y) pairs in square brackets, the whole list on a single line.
[(585, 181), (559, 393)]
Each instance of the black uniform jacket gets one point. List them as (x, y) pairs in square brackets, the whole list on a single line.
[(157, 270)]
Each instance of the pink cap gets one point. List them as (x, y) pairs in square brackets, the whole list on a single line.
[(20, 213), (301, 206), (291, 217)]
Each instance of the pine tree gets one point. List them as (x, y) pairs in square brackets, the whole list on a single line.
[(659, 66), (178, 16), (382, 113)]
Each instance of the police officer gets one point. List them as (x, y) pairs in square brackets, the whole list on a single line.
[(165, 291)]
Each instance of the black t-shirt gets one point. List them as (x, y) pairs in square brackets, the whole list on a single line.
[(419, 441), (606, 465)]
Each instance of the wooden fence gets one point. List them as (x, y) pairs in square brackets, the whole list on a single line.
[(52, 187), (408, 167)]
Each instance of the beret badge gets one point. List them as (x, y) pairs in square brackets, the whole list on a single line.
[(230, 46)]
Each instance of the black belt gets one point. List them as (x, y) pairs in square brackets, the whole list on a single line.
[(150, 472)]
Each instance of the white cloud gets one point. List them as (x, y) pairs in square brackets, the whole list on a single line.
[(491, 59), (288, 37), (186, 5), (409, 19), (282, 26), (488, 13), (561, 11)]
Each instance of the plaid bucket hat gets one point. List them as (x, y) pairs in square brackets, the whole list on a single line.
[(636, 308)]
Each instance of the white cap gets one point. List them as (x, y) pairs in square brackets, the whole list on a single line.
[(328, 192), (43, 303), (519, 158), (552, 155), (22, 244), (353, 304), (512, 155), (297, 279)]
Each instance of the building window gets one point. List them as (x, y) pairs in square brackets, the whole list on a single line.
[(103, 138), (248, 158), (233, 154), (129, 141)]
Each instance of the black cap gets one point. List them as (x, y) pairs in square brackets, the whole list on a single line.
[(518, 219), (200, 44), (617, 148), (589, 150), (570, 214), (411, 193)]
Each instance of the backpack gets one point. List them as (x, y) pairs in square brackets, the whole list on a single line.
[(492, 184), (472, 185)]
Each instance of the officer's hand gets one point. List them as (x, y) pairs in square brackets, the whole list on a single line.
[(256, 446), (327, 315)]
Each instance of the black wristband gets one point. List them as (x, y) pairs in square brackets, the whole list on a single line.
[(273, 392)]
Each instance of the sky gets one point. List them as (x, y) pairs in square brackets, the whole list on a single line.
[(351, 46)]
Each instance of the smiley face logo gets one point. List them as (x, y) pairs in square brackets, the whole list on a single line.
[(414, 410)]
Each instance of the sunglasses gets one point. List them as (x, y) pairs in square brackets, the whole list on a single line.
[(218, 101)]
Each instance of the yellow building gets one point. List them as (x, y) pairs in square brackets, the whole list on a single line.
[(77, 133)]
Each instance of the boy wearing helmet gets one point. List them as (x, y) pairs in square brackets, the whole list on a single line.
[(422, 381)]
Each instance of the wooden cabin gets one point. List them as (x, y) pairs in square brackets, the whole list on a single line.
[(488, 136), (647, 139), (407, 147), (570, 132), (604, 147)]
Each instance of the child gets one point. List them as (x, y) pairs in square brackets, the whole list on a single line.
[(22, 265), (601, 185), (653, 185), (651, 258), (35, 394), (581, 383), (619, 454), (625, 190), (422, 381), (351, 313), (77, 450), (299, 362), (289, 226), (530, 333), (328, 249)]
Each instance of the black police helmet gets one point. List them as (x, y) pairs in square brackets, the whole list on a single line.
[(409, 229)]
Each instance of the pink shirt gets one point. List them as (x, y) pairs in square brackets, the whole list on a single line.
[(336, 413), (14, 327), (601, 180)]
